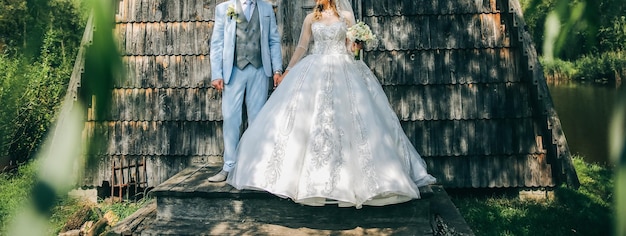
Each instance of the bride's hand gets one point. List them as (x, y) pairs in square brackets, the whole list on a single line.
[(356, 46), (283, 75)]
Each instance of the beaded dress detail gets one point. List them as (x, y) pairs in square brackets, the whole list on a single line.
[(327, 134)]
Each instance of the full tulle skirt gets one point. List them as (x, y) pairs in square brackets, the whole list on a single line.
[(327, 135)]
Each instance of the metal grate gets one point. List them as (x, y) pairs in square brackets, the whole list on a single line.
[(129, 178)]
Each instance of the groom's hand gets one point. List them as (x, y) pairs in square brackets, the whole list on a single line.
[(218, 84), (278, 77)]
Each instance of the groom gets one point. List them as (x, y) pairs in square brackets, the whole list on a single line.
[(245, 53)]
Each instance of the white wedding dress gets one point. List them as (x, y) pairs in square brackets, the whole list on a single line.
[(327, 135)]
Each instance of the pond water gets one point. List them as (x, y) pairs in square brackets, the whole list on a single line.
[(585, 111)]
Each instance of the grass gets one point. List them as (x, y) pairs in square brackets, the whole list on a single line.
[(584, 211), (15, 190), (71, 210), (66, 210)]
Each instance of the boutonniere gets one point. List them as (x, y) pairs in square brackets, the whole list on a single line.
[(230, 12)]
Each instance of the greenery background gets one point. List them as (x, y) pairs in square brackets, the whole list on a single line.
[(592, 42), (39, 43), (40, 40)]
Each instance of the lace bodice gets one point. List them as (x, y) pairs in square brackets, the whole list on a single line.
[(320, 37), (329, 39)]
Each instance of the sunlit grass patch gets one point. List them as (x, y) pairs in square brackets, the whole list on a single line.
[(583, 211)]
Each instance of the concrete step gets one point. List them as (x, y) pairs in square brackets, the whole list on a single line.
[(187, 204)]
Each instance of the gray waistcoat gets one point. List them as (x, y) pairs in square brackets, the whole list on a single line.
[(248, 42)]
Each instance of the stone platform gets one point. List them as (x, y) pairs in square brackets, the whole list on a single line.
[(187, 204)]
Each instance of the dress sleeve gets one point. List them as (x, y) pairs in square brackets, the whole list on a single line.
[(349, 18), (303, 42)]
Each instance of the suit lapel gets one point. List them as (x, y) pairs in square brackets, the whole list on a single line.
[(232, 23), (260, 7)]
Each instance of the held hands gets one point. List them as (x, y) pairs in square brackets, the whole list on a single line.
[(218, 84), (278, 77)]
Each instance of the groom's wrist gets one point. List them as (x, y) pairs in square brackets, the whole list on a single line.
[(278, 72)]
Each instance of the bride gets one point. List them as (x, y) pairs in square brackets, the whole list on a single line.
[(328, 135)]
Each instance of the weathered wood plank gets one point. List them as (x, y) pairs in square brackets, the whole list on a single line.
[(439, 31), (478, 137), (421, 7), (466, 101), (176, 180), (469, 94), (463, 141), (444, 66), (491, 171), (164, 72), (274, 210), (165, 137)]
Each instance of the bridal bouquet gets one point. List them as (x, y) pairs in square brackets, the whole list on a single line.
[(361, 33)]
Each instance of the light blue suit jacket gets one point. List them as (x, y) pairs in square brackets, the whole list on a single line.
[(223, 41)]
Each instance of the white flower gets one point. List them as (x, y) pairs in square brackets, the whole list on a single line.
[(230, 12), (361, 32)]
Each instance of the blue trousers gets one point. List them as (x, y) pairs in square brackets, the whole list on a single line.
[(249, 85)]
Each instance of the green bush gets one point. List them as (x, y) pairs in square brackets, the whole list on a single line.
[(11, 89), (613, 36), (558, 69), (601, 27), (32, 94), (39, 44), (605, 66), (23, 24), (14, 191)]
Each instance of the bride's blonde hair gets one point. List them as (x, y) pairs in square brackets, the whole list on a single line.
[(319, 8)]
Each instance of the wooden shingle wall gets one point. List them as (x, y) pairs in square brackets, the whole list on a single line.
[(457, 74), (163, 109), (461, 75)]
